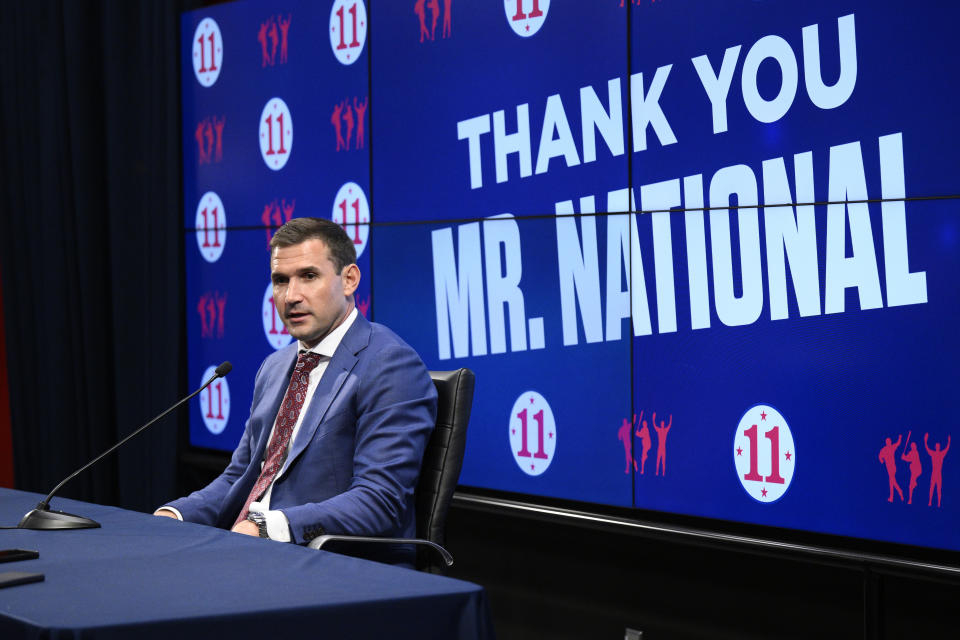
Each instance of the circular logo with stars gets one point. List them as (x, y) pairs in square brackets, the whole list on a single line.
[(207, 52), (276, 133), (351, 211), (764, 453), (273, 327), (215, 402), (533, 433), (526, 17), (211, 226), (348, 29)]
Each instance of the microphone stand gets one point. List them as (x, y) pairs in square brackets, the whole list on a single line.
[(42, 517)]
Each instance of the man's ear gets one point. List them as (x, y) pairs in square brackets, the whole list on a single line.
[(351, 279)]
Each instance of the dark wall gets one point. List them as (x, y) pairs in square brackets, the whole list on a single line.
[(556, 580), (91, 242), (6, 443)]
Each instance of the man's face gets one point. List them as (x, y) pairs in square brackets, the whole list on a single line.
[(311, 298)]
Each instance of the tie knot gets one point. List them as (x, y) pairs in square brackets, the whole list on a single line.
[(307, 361)]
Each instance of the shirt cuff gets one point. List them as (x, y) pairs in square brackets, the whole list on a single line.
[(173, 511), (278, 527)]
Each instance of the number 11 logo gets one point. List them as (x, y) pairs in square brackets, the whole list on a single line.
[(211, 226), (215, 403), (276, 133), (348, 29), (352, 212), (764, 453), (273, 327), (533, 433), (526, 17), (207, 52)]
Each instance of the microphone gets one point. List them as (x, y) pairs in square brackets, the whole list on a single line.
[(43, 518)]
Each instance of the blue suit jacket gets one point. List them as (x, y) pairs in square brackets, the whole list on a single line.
[(356, 458)]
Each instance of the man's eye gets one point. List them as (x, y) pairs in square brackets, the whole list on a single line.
[(309, 276)]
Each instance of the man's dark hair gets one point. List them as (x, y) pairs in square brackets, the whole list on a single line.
[(298, 230)]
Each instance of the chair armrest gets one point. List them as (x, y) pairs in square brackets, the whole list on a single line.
[(319, 541)]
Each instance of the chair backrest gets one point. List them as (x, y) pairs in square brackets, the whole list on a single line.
[(442, 460)]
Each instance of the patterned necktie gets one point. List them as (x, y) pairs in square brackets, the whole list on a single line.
[(286, 419)]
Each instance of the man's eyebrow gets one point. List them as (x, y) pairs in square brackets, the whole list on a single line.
[(301, 271)]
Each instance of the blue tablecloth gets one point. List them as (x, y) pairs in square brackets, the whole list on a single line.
[(142, 577)]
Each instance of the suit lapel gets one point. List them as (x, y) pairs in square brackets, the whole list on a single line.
[(338, 370), (275, 387)]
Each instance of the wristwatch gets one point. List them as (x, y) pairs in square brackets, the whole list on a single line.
[(261, 522)]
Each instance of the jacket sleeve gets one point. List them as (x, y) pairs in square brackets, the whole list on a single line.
[(206, 505)]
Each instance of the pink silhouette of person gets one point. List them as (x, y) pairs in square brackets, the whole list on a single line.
[(265, 217), (277, 214), (212, 311), (218, 125), (202, 310), (348, 118), (336, 122), (645, 444), (623, 435), (361, 110), (446, 18), (434, 7), (363, 306), (262, 37), (288, 209), (936, 473), (422, 14), (274, 40), (888, 457), (221, 304), (284, 27), (198, 134), (662, 432), (208, 134), (913, 457)]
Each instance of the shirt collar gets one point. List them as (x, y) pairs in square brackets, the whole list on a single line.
[(329, 344)]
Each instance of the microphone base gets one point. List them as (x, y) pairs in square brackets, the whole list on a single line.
[(42, 518)]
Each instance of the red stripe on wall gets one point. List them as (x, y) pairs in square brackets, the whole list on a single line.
[(6, 441)]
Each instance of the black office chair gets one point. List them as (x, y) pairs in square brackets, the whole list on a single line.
[(439, 473)]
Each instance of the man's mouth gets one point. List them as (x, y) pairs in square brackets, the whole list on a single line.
[(296, 316)]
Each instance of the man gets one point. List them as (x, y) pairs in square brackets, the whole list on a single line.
[(913, 457), (644, 435), (936, 459), (662, 432), (888, 457), (623, 435), (344, 454)]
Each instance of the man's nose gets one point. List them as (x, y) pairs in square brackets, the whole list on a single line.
[(294, 292)]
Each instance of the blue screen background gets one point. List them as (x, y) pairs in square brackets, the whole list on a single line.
[(844, 380)]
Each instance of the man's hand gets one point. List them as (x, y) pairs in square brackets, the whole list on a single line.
[(247, 528), (166, 513)]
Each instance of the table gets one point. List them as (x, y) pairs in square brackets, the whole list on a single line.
[(143, 577)]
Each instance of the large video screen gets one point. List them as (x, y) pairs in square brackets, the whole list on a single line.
[(699, 254)]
